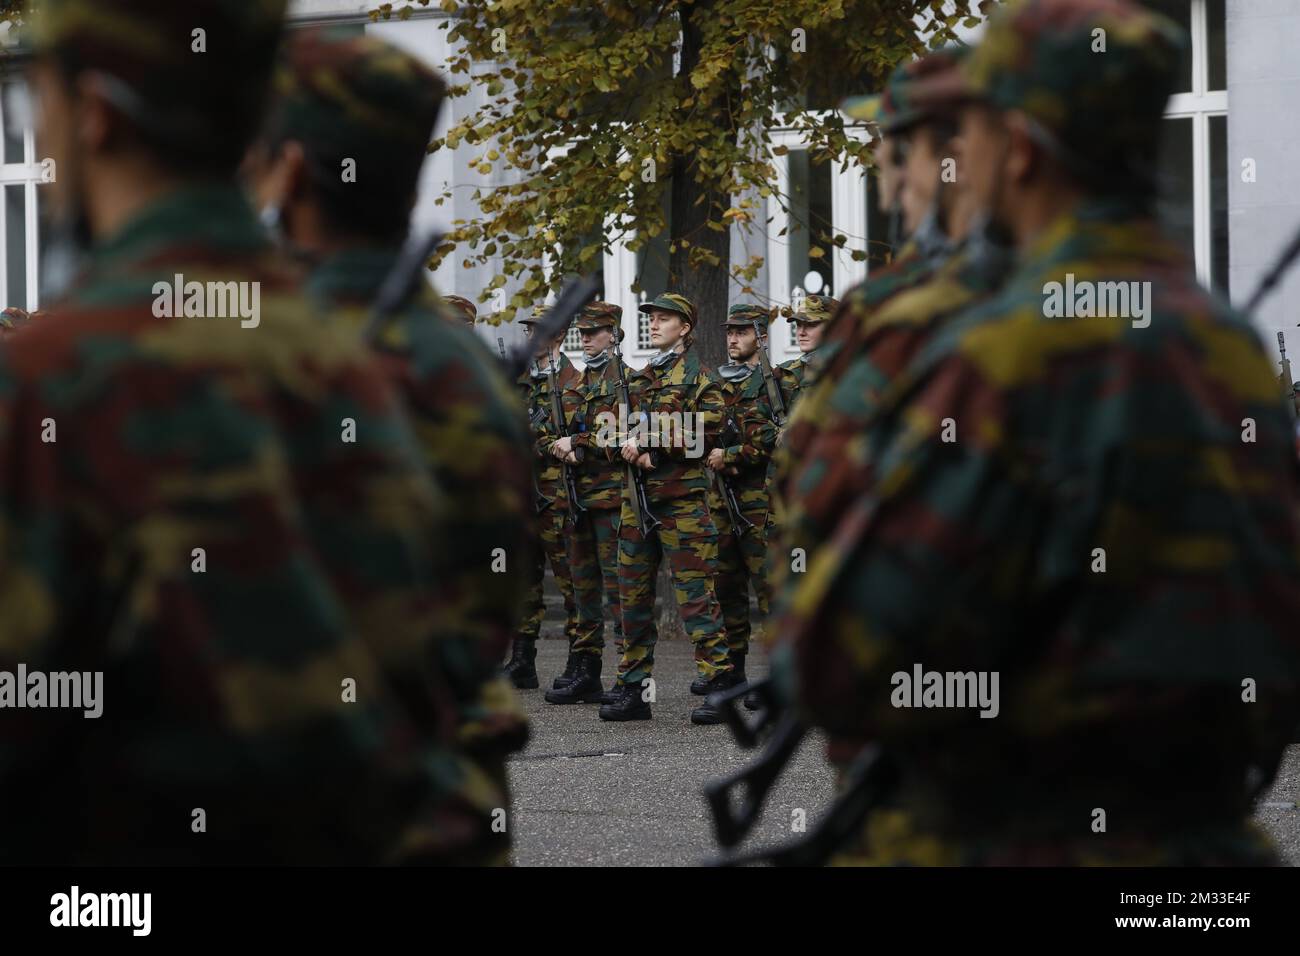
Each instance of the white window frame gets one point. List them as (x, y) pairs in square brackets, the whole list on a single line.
[(849, 191), (1200, 105), (29, 173)]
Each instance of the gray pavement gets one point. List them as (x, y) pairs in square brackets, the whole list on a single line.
[(591, 793)]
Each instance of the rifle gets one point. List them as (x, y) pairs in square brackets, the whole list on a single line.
[(399, 285), (1288, 383), (576, 294), (737, 801), (739, 523), (769, 380), (635, 483), (557, 420)]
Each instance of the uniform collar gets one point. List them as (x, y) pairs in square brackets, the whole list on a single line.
[(210, 216)]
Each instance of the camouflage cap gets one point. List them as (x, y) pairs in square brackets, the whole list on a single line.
[(462, 307), (743, 314), (533, 317), (817, 309), (671, 302), (1093, 75), (899, 108), (192, 76), (600, 315), (355, 97)]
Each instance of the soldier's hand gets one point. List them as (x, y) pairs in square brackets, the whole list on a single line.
[(714, 460), (563, 448), (643, 461), (630, 451), (571, 458)]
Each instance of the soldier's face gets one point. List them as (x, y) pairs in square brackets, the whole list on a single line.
[(983, 153), (595, 341), (921, 172), (742, 343), (666, 329), (889, 173), (54, 120), (807, 335)]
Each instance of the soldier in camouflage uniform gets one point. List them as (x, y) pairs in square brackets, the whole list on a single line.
[(810, 323), (748, 436), (552, 508), (1046, 504), (232, 523), (590, 402), (342, 95), (461, 308), (676, 416)]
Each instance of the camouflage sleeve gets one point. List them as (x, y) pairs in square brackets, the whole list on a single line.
[(468, 418), (757, 433), (707, 406)]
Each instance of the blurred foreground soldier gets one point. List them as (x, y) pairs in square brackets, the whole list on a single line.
[(550, 505), (674, 421), (590, 402), (738, 498), (1041, 595), (342, 97), (461, 308), (254, 586)]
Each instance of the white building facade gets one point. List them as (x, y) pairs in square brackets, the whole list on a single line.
[(1230, 192)]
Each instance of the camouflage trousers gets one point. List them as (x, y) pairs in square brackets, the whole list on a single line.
[(593, 564), (688, 539), (742, 563), (552, 531)]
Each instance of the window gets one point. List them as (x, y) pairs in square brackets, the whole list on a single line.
[(821, 200), (1194, 149), (20, 173)]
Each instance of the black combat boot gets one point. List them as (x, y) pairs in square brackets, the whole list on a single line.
[(570, 667), (521, 669), (706, 713), (711, 685), (585, 687), (611, 695), (628, 705)]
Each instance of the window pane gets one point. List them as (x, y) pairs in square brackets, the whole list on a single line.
[(810, 224), (1176, 205), (878, 248), (1217, 54), (16, 247), (1219, 204), (1180, 11)]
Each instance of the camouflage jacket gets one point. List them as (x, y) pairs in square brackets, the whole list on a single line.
[(537, 390), (591, 408), (682, 405), (234, 526), (748, 436), (791, 376), (1100, 511), (475, 443)]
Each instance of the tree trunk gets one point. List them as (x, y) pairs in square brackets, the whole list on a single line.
[(705, 285)]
